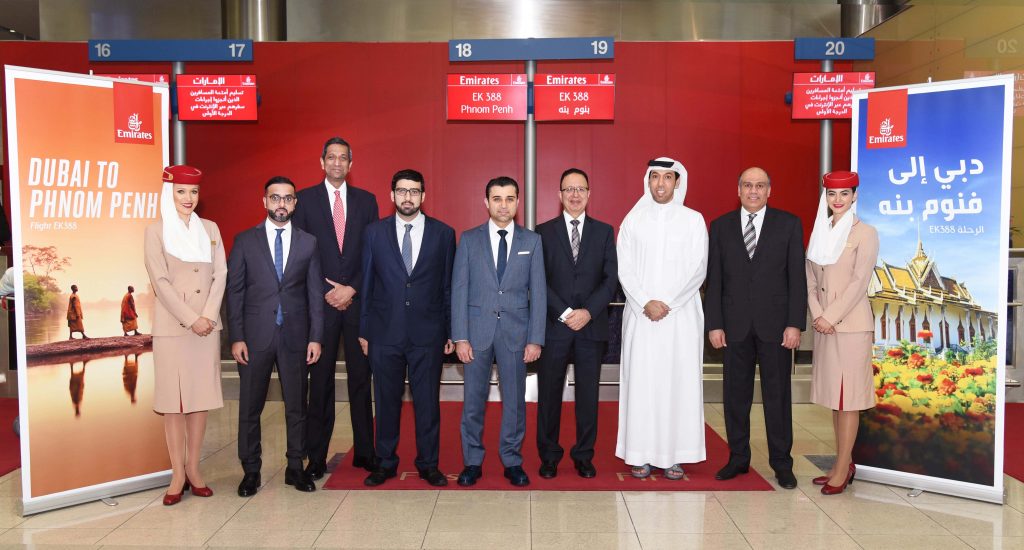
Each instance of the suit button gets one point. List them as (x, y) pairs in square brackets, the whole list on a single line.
[(196, 270), (197, 291), (407, 303), (501, 292), (408, 285), (823, 290)]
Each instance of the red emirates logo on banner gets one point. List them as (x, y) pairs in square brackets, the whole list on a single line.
[(887, 119), (133, 113)]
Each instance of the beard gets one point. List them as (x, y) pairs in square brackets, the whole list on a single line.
[(407, 210), (280, 215)]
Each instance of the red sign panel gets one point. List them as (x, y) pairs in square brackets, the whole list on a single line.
[(487, 97), (827, 95), (160, 78), (887, 120), (133, 113), (216, 97), (574, 96)]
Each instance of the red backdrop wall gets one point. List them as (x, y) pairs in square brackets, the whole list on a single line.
[(716, 106)]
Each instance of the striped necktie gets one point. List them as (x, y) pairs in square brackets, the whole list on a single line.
[(750, 236)]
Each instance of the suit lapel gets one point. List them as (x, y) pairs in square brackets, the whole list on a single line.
[(563, 237), (291, 252), (737, 232), (350, 198), (264, 246), (490, 254), (767, 227), (586, 240), (425, 243)]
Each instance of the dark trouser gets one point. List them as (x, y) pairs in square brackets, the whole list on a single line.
[(551, 371), (320, 423), (738, 384), (389, 367), (254, 379)]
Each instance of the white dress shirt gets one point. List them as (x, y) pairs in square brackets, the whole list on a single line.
[(416, 234), (758, 222), (344, 195), (568, 224), (286, 239), (492, 230)]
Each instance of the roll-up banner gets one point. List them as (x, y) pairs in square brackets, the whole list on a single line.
[(934, 164), (85, 155)]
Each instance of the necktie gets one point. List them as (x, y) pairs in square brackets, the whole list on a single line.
[(339, 220), (750, 236), (407, 248), (502, 253), (575, 240), (279, 267)]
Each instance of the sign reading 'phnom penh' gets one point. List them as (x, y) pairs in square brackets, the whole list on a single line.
[(574, 96), (487, 97), (216, 97)]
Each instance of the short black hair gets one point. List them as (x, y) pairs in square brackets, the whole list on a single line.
[(573, 171), (131, 288), (336, 141), (276, 180), (408, 174), (500, 181)]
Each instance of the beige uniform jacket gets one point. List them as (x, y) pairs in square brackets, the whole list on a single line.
[(839, 292)]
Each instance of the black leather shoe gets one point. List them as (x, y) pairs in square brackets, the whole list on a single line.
[(548, 469), (298, 479), (434, 477), (378, 477), (585, 468), (731, 470), (367, 463), (315, 470), (786, 479), (249, 485), (469, 476), (517, 476)]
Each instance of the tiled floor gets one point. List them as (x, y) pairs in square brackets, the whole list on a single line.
[(870, 516)]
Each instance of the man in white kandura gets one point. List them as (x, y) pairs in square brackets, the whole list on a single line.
[(663, 250)]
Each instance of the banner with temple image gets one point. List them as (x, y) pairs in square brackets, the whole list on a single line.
[(934, 165), (86, 155)]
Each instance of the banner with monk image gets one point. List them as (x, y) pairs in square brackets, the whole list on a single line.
[(85, 154)]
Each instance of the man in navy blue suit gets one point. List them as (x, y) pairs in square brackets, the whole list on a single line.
[(336, 213), (406, 318), (498, 303)]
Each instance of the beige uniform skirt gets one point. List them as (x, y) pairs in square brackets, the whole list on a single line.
[(187, 373), (842, 379)]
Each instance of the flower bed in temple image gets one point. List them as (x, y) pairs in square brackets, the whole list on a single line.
[(935, 413)]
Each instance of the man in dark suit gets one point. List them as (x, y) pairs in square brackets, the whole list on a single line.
[(498, 304), (582, 273), (755, 307), (337, 214), (275, 315), (406, 318)]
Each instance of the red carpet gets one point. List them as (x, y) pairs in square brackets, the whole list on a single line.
[(1013, 444), (612, 473), (10, 447)]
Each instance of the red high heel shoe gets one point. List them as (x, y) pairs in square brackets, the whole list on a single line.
[(827, 489), (821, 480), (198, 491), (172, 499)]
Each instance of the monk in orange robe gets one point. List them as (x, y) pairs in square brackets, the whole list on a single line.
[(129, 316), (75, 316)]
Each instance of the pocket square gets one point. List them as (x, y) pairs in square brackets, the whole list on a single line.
[(523, 252)]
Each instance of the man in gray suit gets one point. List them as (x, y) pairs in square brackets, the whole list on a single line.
[(276, 316), (499, 296)]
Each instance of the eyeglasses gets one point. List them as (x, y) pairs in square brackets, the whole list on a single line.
[(577, 190), (401, 192), (278, 199)]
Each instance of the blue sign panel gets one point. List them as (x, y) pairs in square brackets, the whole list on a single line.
[(521, 49), (834, 48), (170, 50)]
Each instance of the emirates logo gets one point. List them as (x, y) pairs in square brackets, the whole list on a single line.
[(885, 128), (134, 123)]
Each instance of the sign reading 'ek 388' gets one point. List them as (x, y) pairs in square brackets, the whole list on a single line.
[(487, 97)]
